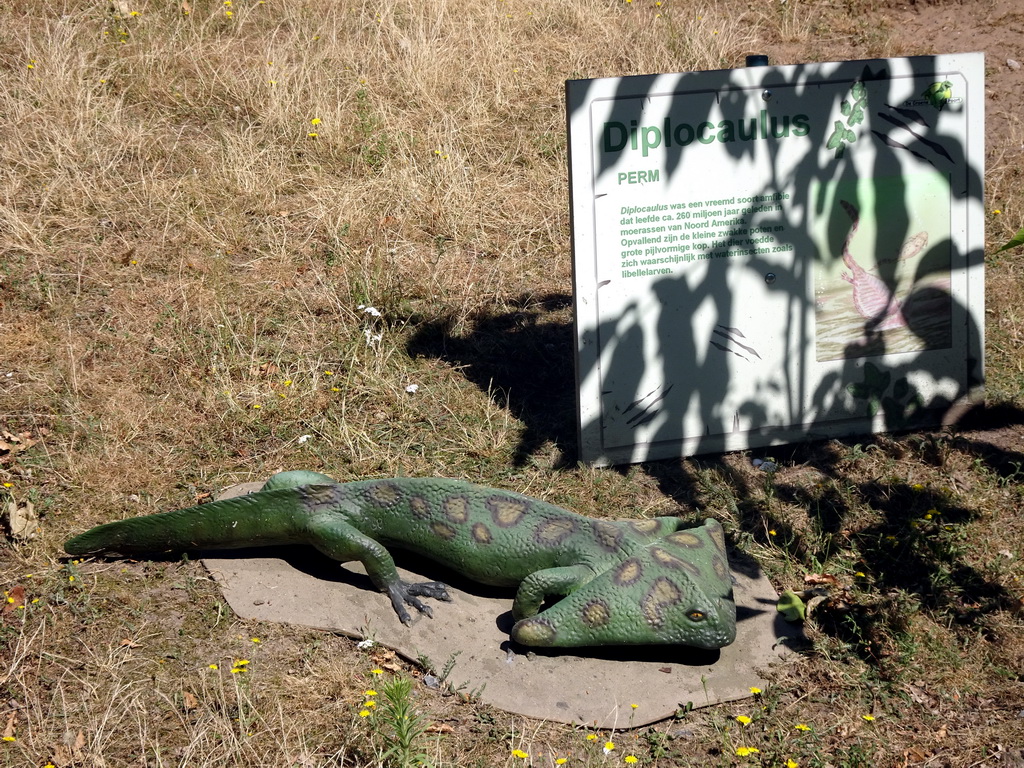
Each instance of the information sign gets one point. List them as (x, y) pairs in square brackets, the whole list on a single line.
[(769, 254)]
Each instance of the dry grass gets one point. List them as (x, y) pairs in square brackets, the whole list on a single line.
[(182, 266)]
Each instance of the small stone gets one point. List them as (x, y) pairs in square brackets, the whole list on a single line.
[(681, 733), (1013, 64), (430, 681)]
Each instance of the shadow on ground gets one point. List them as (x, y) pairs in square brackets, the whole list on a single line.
[(523, 360)]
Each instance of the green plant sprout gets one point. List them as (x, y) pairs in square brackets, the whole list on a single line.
[(400, 725)]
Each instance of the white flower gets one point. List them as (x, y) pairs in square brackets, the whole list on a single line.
[(412, 388), (364, 644), (372, 338), (304, 438), (371, 311)]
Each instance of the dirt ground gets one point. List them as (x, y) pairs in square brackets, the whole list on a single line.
[(952, 26)]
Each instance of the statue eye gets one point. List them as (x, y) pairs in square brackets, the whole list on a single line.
[(696, 616)]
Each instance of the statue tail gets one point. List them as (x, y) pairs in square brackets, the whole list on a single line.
[(260, 519)]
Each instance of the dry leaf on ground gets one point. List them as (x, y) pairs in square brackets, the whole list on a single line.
[(9, 728), (821, 578), (11, 443), (15, 600), (21, 520)]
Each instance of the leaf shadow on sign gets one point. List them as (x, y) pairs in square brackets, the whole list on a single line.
[(690, 372)]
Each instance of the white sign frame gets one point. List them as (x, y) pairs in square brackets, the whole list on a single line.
[(772, 254)]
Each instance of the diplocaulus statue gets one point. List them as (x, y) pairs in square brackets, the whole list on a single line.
[(625, 582)]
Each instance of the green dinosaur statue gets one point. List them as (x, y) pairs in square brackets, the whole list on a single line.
[(627, 582)]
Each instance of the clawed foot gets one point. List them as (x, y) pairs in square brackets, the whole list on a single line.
[(403, 594)]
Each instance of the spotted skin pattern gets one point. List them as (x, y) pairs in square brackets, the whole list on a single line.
[(624, 582)]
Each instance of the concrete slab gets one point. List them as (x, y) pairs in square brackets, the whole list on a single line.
[(594, 687)]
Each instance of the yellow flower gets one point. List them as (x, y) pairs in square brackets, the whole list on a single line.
[(634, 706), (792, 764), (755, 690), (9, 738), (747, 751), (376, 671), (561, 761), (213, 666), (519, 753), (917, 487), (996, 211), (369, 692), (591, 737), (802, 727), (364, 713), (312, 135), (257, 406), (328, 373), (609, 746), (370, 703), (859, 574), (315, 121), (772, 532), (743, 720), (241, 662), (254, 639), (868, 718), (229, 14), (630, 759)]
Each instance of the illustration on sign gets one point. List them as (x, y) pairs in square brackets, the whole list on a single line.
[(904, 291), (746, 241)]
